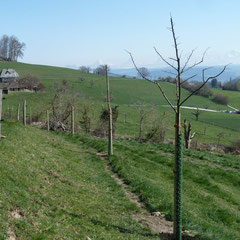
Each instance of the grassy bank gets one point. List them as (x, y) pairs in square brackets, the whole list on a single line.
[(54, 188)]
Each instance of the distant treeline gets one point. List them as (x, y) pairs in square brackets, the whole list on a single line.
[(11, 48)]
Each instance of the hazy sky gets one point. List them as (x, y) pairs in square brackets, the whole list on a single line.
[(79, 32)]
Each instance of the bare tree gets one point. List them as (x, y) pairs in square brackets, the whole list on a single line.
[(101, 70), (196, 113), (11, 48), (85, 69), (144, 72), (142, 117), (86, 120), (110, 123), (179, 69)]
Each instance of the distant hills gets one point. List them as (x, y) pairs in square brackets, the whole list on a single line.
[(232, 71)]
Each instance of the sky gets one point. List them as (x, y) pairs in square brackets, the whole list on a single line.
[(78, 32)]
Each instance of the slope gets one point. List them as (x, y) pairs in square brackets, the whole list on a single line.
[(127, 94), (53, 188)]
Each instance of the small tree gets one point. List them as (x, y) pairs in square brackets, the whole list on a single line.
[(85, 121), (179, 69), (101, 70), (196, 113), (144, 72), (214, 83), (142, 117), (61, 108), (85, 69)]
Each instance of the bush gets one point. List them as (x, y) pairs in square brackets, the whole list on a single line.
[(232, 86), (102, 128), (30, 82), (205, 91), (221, 99)]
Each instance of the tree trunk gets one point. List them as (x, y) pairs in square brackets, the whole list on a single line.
[(140, 130), (110, 137), (0, 114), (18, 112), (48, 123), (72, 121), (178, 179), (30, 116), (24, 113)]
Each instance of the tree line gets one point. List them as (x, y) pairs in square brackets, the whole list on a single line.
[(11, 48)]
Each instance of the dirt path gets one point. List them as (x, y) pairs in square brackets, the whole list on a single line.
[(155, 220)]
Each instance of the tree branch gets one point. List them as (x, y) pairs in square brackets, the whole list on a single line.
[(188, 78), (203, 71), (197, 63), (178, 69), (203, 85), (188, 59), (159, 86), (164, 59)]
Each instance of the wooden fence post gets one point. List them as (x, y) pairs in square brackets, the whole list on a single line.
[(48, 123), (24, 113), (72, 121), (0, 114), (30, 116), (110, 125), (18, 112), (9, 112)]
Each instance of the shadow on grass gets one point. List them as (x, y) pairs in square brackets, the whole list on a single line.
[(164, 236), (109, 225), (169, 236)]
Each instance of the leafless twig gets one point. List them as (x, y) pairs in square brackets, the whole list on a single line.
[(144, 77), (202, 85)]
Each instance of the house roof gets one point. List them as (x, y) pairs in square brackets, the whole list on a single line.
[(9, 73)]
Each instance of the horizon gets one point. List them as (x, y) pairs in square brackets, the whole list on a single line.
[(99, 32)]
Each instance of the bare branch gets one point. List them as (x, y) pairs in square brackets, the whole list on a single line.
[(188, 59), (173, 59), (178, 78), (140, 73), (188, 78), (195, 64), (144, 77), (170, 73), (166, 98), (203, 85), (203, 71), (164, 59)]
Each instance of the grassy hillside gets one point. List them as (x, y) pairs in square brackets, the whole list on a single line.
[(211, 193), (127, 93), (55, 188)]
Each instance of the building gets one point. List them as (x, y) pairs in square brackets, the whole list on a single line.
[(8, 75)]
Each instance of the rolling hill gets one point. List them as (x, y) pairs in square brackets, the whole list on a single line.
[(57, 186), (127, 94)]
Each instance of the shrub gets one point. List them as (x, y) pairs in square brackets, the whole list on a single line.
[(31, 82), (102, 128), (221, 99), (204, 91), (232, 86)]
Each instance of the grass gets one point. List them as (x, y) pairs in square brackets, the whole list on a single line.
[(127, 93), (211, 193), (60, 189)]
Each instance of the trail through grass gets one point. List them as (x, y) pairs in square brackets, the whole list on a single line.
[(53, 188)]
